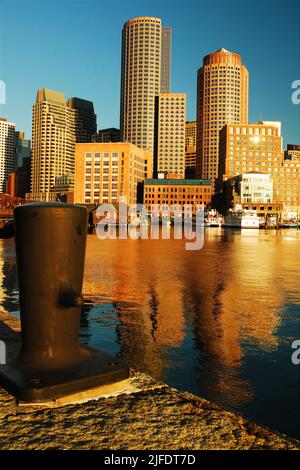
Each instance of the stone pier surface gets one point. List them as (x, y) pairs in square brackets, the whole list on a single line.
[(142, 415)]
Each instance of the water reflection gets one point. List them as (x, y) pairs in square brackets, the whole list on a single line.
[(197, 319), (8, 277), (218, 322)]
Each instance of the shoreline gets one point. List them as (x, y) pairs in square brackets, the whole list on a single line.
[(148, 415)]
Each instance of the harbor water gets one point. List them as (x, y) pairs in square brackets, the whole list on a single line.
[(218, 322)]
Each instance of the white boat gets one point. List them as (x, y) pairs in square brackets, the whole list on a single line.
[(213, 219), (241, 218), (291, 224)]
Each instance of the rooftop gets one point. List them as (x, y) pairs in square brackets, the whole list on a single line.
[(182, 182)]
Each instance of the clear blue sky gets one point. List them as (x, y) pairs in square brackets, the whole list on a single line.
[(74, 47)]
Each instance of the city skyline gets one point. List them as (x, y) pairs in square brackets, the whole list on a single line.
[(55, 71)]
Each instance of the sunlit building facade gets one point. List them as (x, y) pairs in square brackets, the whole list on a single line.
[(250, 147), (165, 80), (106, 171), (258, 147), (169, 141), (53, 142), (190, 144), (141, 78), (176, 191), (222, 97), (56, 126), (7, 150)]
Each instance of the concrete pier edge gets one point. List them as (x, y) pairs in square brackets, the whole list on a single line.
[(138, 414)]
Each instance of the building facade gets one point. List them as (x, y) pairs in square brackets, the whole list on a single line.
[(7, 151), (18, 182), (53, 142), (258, 147), (86, 119), (165, 80), (250, 147), (190, 145), (110, 134), (252, 187), (106, 171), (292, 152), (176, 191), (222, 97), (287, 187), (169, 141), (140, 79), (23, 149), (56, 126), (256, 187)]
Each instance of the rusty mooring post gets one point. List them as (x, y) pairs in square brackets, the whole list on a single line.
[(50, 247)]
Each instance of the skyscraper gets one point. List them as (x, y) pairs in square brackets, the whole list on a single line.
[(169, 142), (140, 79), (190, 145), (23, 149), (86, 120), (53, 142), (166, 59), (56, 126), (7, 150), (222, 97)]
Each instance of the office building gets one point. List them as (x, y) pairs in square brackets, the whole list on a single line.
[(222, 97), (292, 152), (258, 148), (56, 126), (252, 191), (176, 191), (7, 151), (250, 147), (106, 171), (141, 79), (53, 142), (169, 142), (18, 182), (110, 134), (86, 120), (252, 187), (23, 149), (165, 80), (287, 187), (288, 183), (190, 147)]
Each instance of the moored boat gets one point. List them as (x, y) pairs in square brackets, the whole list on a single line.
[(241, 218), (213, 219)]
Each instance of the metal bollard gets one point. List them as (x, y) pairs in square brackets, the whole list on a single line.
[(50, 248)]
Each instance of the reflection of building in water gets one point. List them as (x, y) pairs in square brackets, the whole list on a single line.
[(235, 301), (227, 295), (149, 303), (253, 293), (216, 330), (8, 276)]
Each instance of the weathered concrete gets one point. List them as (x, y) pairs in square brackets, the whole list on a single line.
[(146, 415)]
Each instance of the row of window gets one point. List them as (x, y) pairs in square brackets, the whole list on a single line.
[(189, 189)]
